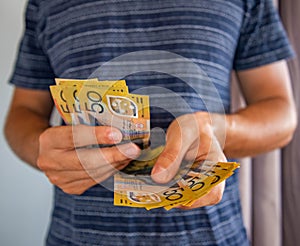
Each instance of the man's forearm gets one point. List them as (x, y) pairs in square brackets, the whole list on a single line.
[(269, 120), (261, 127), (22, 130)]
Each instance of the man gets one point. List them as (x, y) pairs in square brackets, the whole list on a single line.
[(73, 38)]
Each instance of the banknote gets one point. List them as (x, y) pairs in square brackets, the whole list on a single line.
[(128, 112), (73, 95), (134, 187), (90, 82), (66, 106), (108, 103), (62, 81), (61, 103), (141, 191), (203, 176)]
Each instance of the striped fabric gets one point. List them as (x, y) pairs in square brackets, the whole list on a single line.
[(184, 52)]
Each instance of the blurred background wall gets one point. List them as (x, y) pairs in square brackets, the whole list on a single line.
[(25, 194)]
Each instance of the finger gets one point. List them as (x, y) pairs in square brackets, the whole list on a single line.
[(180, 136), (212, 198), (69, 137), (78, 187), (89, 135), (112, 157), (89, 158), (61, 178)]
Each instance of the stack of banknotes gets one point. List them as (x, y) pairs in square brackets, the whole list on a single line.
[(109, 103), (134, 187)]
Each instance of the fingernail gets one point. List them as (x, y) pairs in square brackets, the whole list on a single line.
[(115, 136), (131, 151), (160, 174)]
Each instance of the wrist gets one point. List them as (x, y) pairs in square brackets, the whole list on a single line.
[(217, 124)]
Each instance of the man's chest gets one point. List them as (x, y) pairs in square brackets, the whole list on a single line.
[(88, 33)]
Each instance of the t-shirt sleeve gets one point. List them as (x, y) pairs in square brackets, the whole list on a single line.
[(32, 68), (263, 39)]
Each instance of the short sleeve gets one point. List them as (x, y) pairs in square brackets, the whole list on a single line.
[(32, 69), (263, 39)]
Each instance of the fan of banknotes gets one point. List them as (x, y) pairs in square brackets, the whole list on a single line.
[(94, 102), (109, 103), (134, 187)]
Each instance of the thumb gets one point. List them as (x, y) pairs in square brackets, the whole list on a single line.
[(167, 163), (178, 140)]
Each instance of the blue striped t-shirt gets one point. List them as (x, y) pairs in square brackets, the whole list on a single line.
[(179, 52)]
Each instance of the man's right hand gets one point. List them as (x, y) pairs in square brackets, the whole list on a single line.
[(68, 162)]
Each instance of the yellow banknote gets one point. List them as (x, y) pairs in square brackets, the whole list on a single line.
[(73, 94), (201, 179), (61, 103), (141, 191), (90, 82), (71, 82), (66, 100), (127, 112), (190, 185)]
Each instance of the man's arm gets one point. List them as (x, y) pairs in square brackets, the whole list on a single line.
[(268, 122), (270, 118), (27, 118)]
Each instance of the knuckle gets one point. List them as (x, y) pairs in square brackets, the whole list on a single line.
[(44, 138), (103, 134), (41, 163), (46, 163), (115, 157), (112, 157), (53, 179)]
